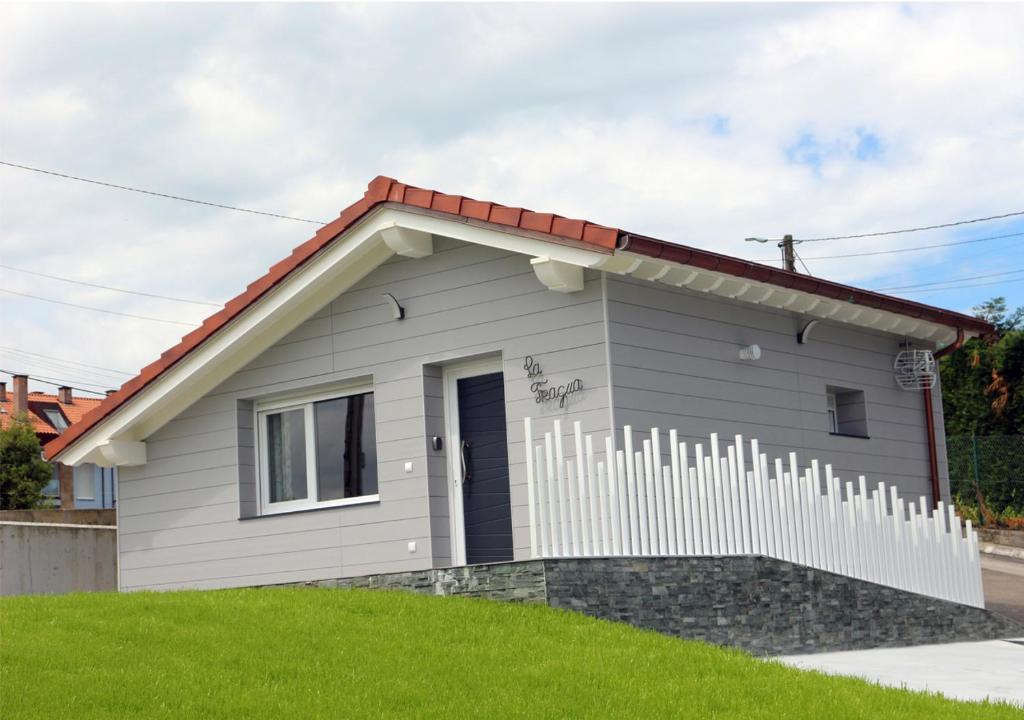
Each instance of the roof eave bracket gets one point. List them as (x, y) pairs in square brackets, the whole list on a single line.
[(408, 243), (556, 275)]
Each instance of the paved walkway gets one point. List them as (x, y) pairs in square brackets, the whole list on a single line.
[(966, 671), (1003, 579)]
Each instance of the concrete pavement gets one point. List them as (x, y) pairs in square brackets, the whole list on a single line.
[(993, 669), (1003, 578)]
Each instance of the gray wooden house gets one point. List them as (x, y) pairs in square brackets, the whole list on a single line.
[(360, 408)]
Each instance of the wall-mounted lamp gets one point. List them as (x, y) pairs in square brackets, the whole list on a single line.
[(397, 311), (750, 352), (805, 332)]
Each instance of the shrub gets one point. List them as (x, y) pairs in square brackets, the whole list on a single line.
[(23, 472)]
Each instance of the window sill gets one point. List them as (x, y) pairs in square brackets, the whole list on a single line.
[(850, 435), (331, 505)]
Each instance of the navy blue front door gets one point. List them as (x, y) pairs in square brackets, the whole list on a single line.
[(485, 493)]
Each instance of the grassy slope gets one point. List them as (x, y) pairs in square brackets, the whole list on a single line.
[(296, 653)]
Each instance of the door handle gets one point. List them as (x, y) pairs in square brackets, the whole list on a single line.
[(464, 454)]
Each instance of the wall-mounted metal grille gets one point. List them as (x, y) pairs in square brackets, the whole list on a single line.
[(915, 369)]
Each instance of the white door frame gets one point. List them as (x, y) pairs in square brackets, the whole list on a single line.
[(456, 513)]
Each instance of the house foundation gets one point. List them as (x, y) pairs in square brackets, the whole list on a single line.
[(762, 605)]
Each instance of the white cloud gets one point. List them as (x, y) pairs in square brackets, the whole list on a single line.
[(697, 124)]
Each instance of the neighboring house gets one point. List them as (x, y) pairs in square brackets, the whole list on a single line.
[(85, 486), (361, 407)]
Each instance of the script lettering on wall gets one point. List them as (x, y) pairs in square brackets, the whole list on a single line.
[(542, 392)]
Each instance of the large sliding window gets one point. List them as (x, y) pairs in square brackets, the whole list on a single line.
[(317, 452)]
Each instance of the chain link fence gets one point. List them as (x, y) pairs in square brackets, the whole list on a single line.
[(986, 477)]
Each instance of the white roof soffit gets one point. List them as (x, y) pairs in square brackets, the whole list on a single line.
[(332, 271), (759, 293)]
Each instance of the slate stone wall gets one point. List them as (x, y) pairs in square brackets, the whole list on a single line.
[(513, 581), (762, 605)]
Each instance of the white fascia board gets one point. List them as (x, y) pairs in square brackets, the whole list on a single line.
[(337, 267)]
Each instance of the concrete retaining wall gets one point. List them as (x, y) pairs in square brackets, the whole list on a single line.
[(1001, 536), (762, 605), (61, 517), (52, 559)]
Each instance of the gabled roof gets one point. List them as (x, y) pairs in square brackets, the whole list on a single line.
[(38, 402), (384, 191)]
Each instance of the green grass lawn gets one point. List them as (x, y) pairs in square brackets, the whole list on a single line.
[(303, 653)]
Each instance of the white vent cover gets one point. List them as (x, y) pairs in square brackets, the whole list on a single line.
[(915, 369)]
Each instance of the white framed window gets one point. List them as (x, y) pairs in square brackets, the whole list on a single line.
[(317, 451)]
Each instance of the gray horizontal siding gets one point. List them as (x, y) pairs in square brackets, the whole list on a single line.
[(179, 514), (673, 357), (675, 364)]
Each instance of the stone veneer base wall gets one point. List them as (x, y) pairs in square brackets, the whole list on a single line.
[(762, 605)]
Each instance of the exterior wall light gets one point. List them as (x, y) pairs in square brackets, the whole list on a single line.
[(397, 311), (750, 352)]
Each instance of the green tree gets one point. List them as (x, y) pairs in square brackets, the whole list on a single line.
[(994, 311), (23, 472), (983, 381), (983, 404)]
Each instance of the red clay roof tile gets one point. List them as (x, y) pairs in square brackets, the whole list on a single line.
[(475, 209), (502, 215), (538, 222), (37, 402), (567, 228)]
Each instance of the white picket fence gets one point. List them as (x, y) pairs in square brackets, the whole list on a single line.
[(627, 503)]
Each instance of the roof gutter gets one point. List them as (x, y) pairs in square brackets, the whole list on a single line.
[(929, 422)]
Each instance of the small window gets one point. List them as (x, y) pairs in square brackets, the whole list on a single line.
[(56, 419), (85, 482), (319, 452), (846, 411)]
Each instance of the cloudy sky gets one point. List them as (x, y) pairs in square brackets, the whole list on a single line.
[(697, 124)]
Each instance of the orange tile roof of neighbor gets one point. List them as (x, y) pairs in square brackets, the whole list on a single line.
[(387, 191), (37, 401)]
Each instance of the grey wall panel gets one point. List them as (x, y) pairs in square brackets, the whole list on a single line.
[(295, 558), (439, 514), (181, 523), (674, 359)]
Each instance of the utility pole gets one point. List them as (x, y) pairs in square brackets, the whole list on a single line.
[(788, 255)]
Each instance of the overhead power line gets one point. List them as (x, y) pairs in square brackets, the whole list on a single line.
[(961, 287), (159, 194), (806, 269), (53, 381), (100, 310), (905, 250), (57, 366), (915, 229), (48, 366), (64, 360), (919, 247), (953, 280), (107, 287), (881, 233)]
